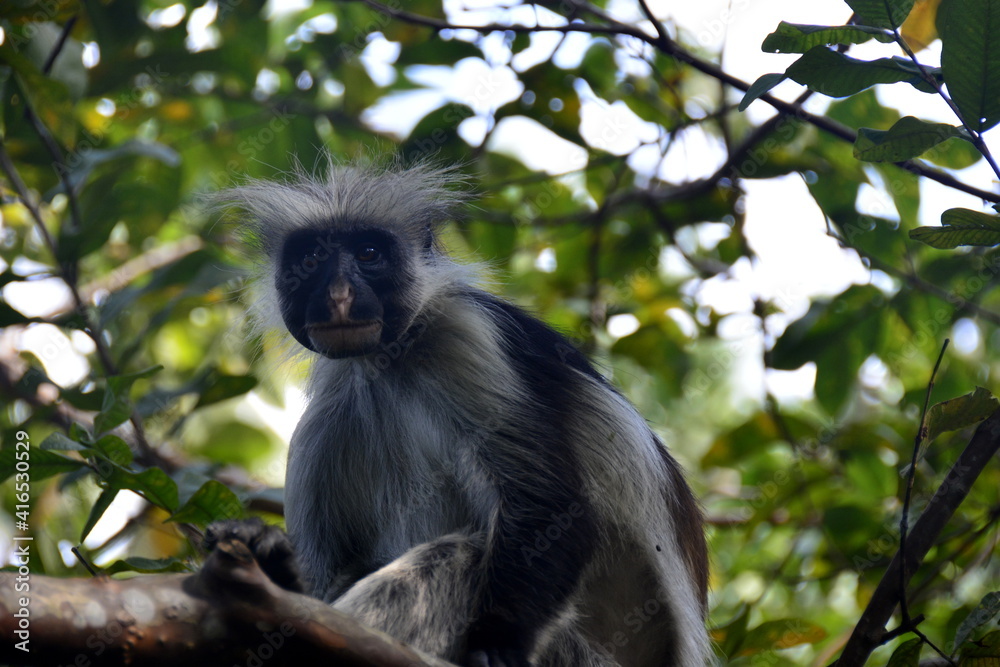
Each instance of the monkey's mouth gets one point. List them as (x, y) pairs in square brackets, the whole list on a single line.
[(345, 339)]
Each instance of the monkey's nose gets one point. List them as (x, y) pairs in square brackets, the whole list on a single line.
[(341, 296)]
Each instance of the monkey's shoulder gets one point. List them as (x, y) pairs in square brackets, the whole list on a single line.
[(529, 342)]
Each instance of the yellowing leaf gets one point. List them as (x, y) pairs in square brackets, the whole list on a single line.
[(955, 414), (906, 654), (920, 28), (983, 653), (960, 412), (176, 110), (784, 633)]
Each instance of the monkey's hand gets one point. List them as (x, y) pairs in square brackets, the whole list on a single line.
[(269, 545)]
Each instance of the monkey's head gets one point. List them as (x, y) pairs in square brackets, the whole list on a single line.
[(348, 261), (345, 289)]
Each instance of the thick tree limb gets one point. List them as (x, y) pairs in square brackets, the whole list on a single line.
[(230, 613), (870, 630)]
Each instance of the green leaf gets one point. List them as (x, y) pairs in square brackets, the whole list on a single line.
[(905, 191), (828, 325), (79, 432), (154, 485), (226, 386), (850, 527), (114, 449), (960, 226), (87, 161), (838, 336), (49, 98), (437, 52), (837, 373), (43, 463), (147, 566), (112, 414), (961, 412), (986, 647), (837, 75), (970, 58), (780, 634), (906, 654), (212, 502), (730, 636), (59, 442), (765, 83), (599, 68), (985, 611), (7, 276), (864, 470), (797, 38), (909, 137), (97, 511), (117, 408), (656, 346), (954, 414), (882, 13), (437, 131), (235, 442), (957, 155), (742, 441), (193, 274)]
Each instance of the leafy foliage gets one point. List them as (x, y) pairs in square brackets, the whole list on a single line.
[(908, 138), (106, 151), (970, 60), (959, 227)]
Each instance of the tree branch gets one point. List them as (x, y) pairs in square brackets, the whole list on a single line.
[(870, 631), (664, 44), (229, 613)]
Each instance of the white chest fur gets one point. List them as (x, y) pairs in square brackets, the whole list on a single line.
[(392, 465)]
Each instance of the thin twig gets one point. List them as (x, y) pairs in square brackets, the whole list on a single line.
[(904, 519), (86, 563), (661, 33), (977, 138), (52, 146), (60, 43)]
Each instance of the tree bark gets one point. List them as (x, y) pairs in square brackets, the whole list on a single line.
[(229, 613)]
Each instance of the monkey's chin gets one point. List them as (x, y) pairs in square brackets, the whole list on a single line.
[(345, 340)]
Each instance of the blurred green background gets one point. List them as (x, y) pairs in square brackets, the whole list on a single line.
[(793, 404)]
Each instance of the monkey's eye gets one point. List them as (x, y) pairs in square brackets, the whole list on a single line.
[(367, 254)]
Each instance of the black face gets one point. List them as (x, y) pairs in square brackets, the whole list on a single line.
[(343, 294)]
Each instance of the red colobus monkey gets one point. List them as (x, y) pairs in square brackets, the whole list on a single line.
[(462, 478)]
